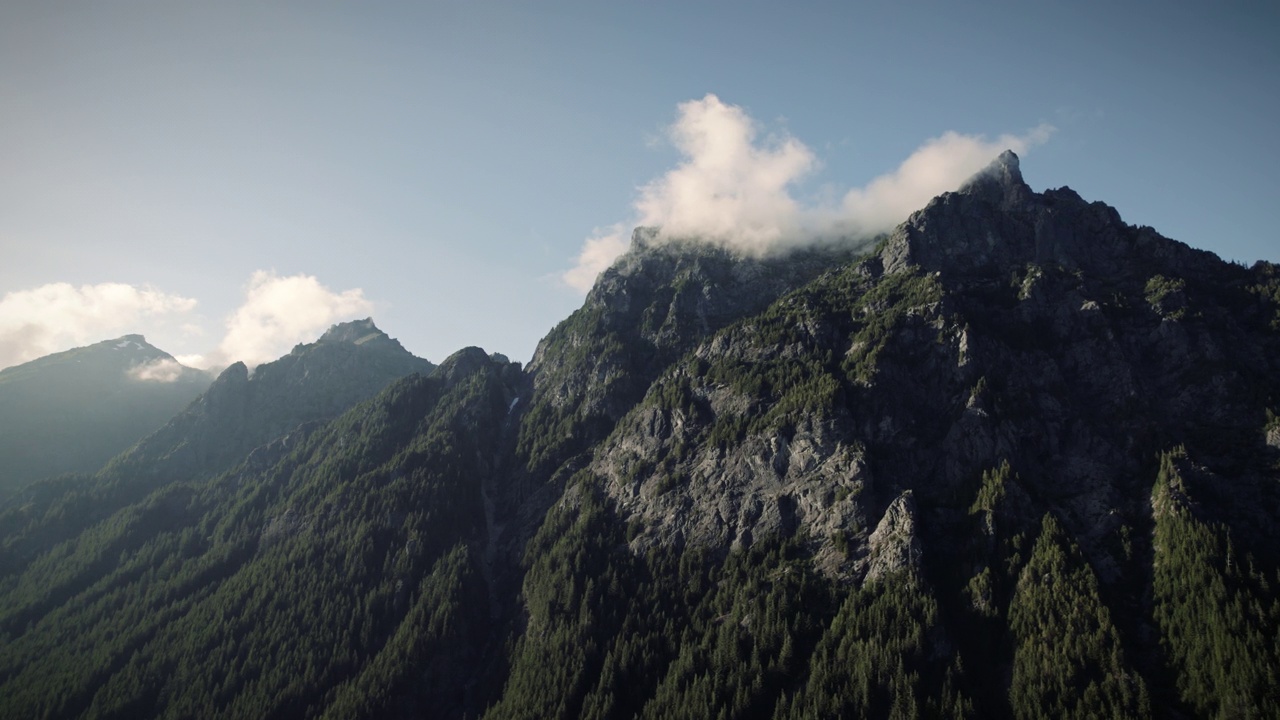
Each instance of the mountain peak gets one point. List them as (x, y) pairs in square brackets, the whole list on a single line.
[(71, 411), (1000, 182), (1004, 170), (362, 333), (135, 343), (132, 341), (1007, 160), (996, 222), (357, 332)]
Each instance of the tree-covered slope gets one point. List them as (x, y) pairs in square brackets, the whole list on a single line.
[(959, 435), (239, 413), (1022, 460), (323, 583)]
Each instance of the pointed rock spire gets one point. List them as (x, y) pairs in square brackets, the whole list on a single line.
[(1000, 183), (995, 222)]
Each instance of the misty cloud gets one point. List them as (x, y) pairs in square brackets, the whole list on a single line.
[(735, 187), (598, 253), (59, 316), (161, 370), (278, 313), (938, 166)]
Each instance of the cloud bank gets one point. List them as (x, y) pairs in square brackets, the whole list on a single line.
[(59, 316), (736, 187), (277, 312)]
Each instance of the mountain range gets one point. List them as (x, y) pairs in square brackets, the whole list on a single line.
[(1015, 458)]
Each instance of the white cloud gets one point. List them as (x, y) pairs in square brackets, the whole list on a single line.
[(598, 253), (278, 313), (162, 370), (194, 360), (729, 187), (736, 189), (59, 316)]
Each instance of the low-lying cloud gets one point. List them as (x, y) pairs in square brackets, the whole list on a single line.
[(736, 187), (59, 316), (160, 370)]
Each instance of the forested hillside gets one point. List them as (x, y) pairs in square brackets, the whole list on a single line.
[(1016, 459)]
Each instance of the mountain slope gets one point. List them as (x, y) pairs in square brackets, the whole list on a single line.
[(273, 409), (891, 375), (653, 305), (242, 410), (1020, 460), (350, 523), (72, 411), (947, 427)]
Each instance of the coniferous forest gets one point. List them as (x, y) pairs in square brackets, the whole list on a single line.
[(1016, 459)]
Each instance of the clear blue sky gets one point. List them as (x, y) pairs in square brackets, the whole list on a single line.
[(448, 159)]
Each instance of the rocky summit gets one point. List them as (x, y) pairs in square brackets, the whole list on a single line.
[(1014, 459)]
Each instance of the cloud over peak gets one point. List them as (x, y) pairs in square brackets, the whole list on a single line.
[(598, 252), (277, 312), (160, 370), (280, 312), (940, 165), (735, 187), (59, 316), (729, 187)]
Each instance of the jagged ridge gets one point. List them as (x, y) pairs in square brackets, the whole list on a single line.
[(989, 471)]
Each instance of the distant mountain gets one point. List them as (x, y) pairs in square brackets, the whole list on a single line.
[(241, 410), (1018, 460), (272, 407), (74, 410)]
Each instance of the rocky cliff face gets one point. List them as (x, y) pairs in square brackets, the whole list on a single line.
[(996, 324), (655, 304)]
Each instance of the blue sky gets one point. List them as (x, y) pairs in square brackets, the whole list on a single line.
[(229, 178)]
